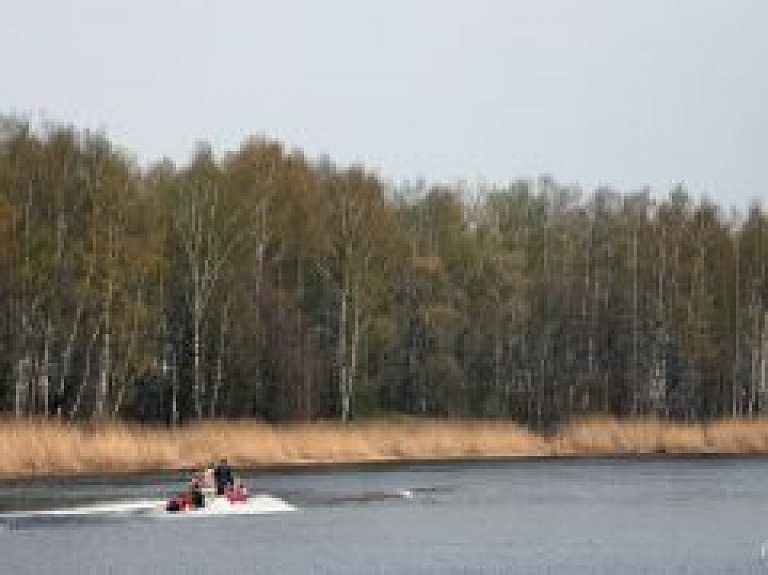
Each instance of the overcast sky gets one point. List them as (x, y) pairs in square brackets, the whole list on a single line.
[(618, 92)]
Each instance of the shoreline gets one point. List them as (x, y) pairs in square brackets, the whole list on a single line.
[(47, 449), (372, 465)]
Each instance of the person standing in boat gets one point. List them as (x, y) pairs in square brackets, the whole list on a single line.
[(209, 483), (208, 480), (196, 492), (223, 477)]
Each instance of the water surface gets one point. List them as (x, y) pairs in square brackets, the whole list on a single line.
[(651, 515)]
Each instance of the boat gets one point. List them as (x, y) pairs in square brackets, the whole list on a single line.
[(253, 505), (258, 504)]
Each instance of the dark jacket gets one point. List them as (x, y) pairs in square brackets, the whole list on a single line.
[(223, 477)]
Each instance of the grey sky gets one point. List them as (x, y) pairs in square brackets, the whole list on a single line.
[(621, 92)]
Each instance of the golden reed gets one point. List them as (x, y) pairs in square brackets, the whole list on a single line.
[(36, 447)]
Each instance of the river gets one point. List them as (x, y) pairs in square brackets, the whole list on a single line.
[(612, 515)]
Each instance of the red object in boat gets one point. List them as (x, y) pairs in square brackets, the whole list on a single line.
[(237, 494), (180, 502)]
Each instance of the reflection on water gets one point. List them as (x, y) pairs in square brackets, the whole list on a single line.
[(530, 516)]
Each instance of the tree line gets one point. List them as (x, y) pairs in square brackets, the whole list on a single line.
[(263, 284)]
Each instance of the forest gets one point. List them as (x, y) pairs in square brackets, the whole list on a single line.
[(262, 284)]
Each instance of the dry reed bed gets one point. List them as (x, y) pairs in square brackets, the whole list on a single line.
[(44, 447)]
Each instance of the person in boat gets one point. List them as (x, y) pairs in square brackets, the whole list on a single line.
[(192, 498), (179, 502), (223, 477), (237, 493), (209, 483), (196, 495)]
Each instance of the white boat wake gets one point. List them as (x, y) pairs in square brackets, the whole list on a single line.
[(255, 505)]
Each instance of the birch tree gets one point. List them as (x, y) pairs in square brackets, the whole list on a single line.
[(210, 225), (357, 230)]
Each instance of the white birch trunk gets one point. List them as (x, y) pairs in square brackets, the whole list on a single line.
[(501, 383), (119, 400), (763, 357), (22, 363), (19, 388), (754, 374), (197, 386), (170, 366), (218, 383), (67, 357), (353, 361), (45, 382), (86, 373), (342, 353), (174, 396), (106, 362), (635, 382)]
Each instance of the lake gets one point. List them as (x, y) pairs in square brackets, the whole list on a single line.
[(611, 515)]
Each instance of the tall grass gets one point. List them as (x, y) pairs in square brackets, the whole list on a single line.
[(33, 447)]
